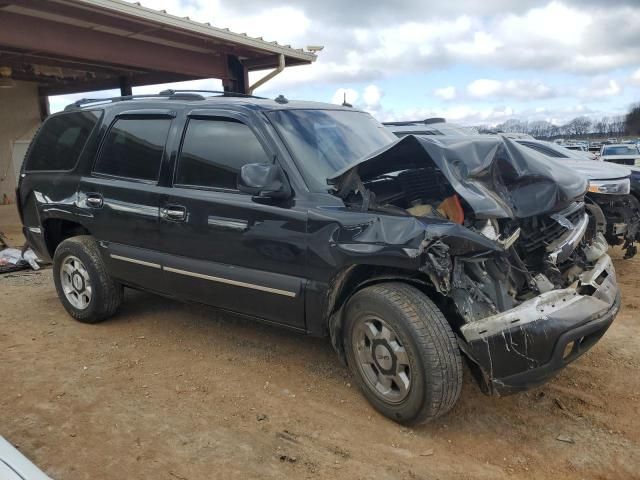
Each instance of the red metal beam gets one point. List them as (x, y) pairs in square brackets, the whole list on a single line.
[(160, 27), (13, 57), (30, 33), (71, 86), (136, 26)]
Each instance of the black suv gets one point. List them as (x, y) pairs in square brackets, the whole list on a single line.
[(411, 254)]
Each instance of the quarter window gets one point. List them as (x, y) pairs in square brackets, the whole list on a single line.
[(61, 140), (214, 151), (133, 148)]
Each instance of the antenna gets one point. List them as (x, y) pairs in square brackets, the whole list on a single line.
[(344, 101)]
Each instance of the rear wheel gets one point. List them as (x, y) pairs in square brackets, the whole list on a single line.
[(84, 287), (402, 352)]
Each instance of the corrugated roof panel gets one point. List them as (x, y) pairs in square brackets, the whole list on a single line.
[(137, 11)]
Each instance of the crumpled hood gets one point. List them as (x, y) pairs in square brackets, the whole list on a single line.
[(496, 176), (596, 170)]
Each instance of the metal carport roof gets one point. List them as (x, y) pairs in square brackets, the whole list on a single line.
[(80, 45)]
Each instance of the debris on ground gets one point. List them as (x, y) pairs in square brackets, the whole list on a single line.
[(559, 404), (565, 439), (288, 458), (14, 259)]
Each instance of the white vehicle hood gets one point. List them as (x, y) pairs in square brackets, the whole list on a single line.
[(595, 170)]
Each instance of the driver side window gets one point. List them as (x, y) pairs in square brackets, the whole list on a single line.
[(214, 151)]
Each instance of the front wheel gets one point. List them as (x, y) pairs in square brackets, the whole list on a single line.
[(84, 287), (402, 352)]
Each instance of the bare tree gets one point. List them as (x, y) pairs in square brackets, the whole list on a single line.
[(612, 126), (632, 120), (578, 126)]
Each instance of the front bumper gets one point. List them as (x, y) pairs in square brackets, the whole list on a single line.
[(525, 346)]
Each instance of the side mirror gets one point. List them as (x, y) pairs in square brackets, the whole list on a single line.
[(264, 180)]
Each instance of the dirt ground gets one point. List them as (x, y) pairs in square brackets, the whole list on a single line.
[(171, 391)]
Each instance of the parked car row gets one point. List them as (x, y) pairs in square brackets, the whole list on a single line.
[(411, 254), (612, 146)]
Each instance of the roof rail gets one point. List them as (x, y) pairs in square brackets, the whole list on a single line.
[(171, 91), (164, 94), (426, 121), (168, 93)]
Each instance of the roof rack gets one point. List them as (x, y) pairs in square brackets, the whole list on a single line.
[(222, 93), (169, 93), (165, 94), (426, 121)]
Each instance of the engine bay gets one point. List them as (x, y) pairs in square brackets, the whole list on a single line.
[(538, 254)]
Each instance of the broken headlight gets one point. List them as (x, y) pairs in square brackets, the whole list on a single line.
[(610, 187)]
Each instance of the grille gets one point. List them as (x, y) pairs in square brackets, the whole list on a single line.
[(538, 232), (622, 161), (424, 184)]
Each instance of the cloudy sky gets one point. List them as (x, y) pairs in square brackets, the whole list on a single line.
[(471, 61)]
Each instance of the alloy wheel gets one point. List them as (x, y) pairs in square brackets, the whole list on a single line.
[(382, 359), (75, 282)]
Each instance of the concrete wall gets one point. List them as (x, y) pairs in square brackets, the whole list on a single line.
[(19, 119)]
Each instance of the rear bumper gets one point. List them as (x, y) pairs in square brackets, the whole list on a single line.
[(525, 346)]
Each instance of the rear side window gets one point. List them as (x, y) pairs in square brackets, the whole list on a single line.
[(133, 148), (214, 151), (61, 140)]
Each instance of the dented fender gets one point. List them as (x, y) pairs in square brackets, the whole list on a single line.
[(415, 249), (417, 244)]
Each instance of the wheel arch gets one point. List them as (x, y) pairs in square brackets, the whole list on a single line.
[(354, 278), (56, 230)]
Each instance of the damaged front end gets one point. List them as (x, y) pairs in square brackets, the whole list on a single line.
[(508, 242), (523, 320)]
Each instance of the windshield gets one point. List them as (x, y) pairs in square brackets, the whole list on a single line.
[(325, 141), (621, 150)]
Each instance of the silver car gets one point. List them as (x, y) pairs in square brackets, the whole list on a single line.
[(621, 153)]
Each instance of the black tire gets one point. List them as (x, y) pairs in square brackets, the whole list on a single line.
[(106, 294), (432, 353)]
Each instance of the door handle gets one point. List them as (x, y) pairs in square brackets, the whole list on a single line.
[(174, 213), (94, 200)]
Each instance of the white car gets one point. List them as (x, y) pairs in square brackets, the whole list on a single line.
[(15, 466), (575, 146), (622, 153)]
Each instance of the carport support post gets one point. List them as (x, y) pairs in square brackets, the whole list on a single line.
[(239, 76), (43, 103), (125, 86)]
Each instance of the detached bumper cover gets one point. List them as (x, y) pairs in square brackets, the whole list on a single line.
[(525, 346)]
